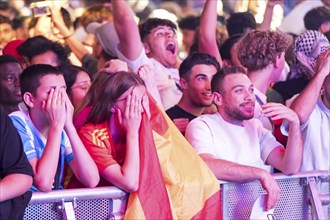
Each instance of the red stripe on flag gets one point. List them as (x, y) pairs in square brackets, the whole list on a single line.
[(152, 192), (211, 208), (157, 120)]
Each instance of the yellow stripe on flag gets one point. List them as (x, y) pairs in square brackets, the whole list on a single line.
[(134, 209), (188, 179), (175, 185)]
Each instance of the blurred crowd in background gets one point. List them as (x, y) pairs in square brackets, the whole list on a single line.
[(18, 20)]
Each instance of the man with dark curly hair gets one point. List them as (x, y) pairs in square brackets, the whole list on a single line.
[(262, 53)]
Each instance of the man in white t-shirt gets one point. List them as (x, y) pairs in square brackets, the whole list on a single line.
[(234, 144), (153, 43), (262, 53)]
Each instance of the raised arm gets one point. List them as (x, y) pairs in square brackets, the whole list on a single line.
[(266, 22), (229, 171), (207, 41), (304, 104), (147, 74), (75, 45), (83, 166), (127, 29), (113, 66), (286, 160)]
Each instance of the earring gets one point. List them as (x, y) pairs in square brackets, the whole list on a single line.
[(322, 91), (113, 110)]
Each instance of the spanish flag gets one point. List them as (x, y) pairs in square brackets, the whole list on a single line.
[(175, 185)]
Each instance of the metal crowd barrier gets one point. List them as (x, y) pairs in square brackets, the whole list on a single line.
[(95, 203), (303, 196)]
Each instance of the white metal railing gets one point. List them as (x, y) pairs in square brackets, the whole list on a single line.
[(88, 203), (303, 196)]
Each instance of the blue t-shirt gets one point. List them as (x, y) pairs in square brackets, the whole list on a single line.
[(34, 143)]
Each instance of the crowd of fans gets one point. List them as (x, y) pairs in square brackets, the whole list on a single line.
[(77, 81)]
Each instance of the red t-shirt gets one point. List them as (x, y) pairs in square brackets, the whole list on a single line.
[(98, 142)]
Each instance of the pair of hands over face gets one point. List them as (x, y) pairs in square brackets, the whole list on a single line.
[(58, 107), (137, 102)]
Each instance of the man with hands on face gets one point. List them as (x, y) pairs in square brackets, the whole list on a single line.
[(47, 130), (313, 109), (235, 145)]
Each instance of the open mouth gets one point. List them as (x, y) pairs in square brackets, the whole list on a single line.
[(249, 106), (171, 47), (207, 94)]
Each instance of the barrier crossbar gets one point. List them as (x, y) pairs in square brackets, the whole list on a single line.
[(88, 203), (303, 196)]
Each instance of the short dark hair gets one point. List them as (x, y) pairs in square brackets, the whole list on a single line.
[(239, 22), (316, 17), (30, 77), (225, 48), (146, 27), (70, 73), (37, 45), (4, 19), (195, 59), (8, 59), (18, 22), (190, 22), (218, 78)]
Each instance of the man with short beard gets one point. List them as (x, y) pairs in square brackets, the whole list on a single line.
[(235, 145)]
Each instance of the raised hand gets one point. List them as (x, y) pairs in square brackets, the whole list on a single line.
[(54, 106), (323, 63), (146, 73), (278, 111), (272, 3), (113, 66)]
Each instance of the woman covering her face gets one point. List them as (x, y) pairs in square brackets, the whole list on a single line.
[(137, 148), (111, 129)]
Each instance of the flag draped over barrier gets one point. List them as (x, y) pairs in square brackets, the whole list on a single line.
[(175, 185), (174, 182)]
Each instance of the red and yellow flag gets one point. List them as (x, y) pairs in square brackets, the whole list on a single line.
[(175, 185)]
